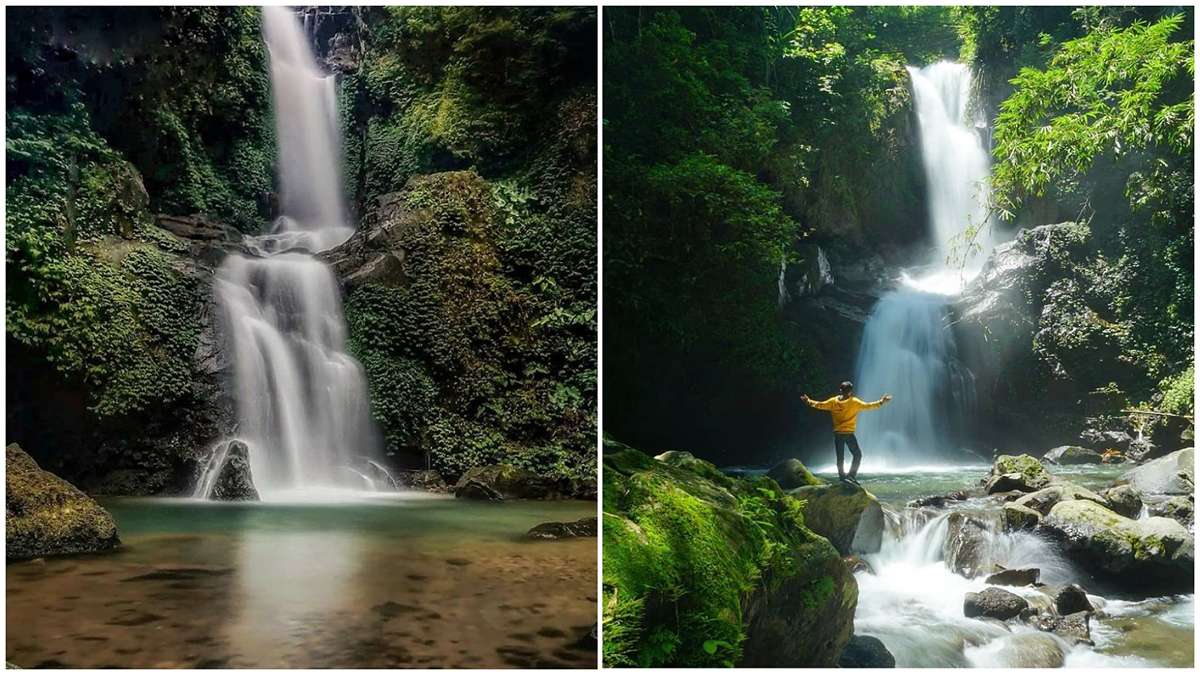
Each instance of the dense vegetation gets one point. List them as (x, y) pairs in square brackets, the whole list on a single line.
[(117, 114), (734, 137)]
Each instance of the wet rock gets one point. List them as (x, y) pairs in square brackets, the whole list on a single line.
[(1123, 499), (866, 651), (1069, 599), (856, 564), (995, 603), (1072, 454), (584, 527), (792, 474), (1173, 474), (426, 480), (1180, 509), (1020, 577), (1019, 472), (1073, 628), (198, 228), (1018, 517), (503, 481), (847, 515), (45, 515), (1106, 439), (234, 482), (938, 501), (1143, 450), (1148, 553), (966, 547), (1043, 500)]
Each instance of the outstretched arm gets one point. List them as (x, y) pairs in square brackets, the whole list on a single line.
[(819, 405), (877, 404)]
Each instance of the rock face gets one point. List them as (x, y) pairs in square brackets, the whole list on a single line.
[(847, 515), (1149, 553), (1020, 472), (584, 527), (791, 474), (704, 535), (866, 651), (46, 515), (993, 603), (503, 481), (234, 482), (1173, 474), (1072, 454)]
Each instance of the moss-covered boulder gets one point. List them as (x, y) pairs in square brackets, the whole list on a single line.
[(1152, 552), (701, 569), (504, 481), (1123, 499), (847, 515), (45, 515), (1017, 472), (1043, 500), (1017, 517), (791, 474), (1178, 508)]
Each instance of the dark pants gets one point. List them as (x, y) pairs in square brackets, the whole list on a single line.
[(840, 441)]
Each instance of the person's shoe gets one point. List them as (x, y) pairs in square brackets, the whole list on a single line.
[(842, 479), (852, 479)]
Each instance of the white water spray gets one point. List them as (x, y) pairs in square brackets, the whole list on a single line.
[(302, 401)]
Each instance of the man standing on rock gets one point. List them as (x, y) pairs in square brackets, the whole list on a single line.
[(844, 409)]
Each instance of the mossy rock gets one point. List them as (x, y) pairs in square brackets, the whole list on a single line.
[(1017, 472), (505, 481), (847, 515), (791, 474), (46, 515), (1152, 552), (1043, 500), (1018, 517), (704, 572)]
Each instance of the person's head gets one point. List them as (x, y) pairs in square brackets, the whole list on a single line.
[(846, 388)]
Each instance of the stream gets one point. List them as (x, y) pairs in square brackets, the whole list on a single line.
[(913, 602), (399, 580)]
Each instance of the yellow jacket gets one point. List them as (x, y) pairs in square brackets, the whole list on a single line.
[(845, 411)]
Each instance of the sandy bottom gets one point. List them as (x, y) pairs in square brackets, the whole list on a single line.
[(437, 583)]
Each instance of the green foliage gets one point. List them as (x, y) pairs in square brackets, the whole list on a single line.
[(1179, 392), (683, 556)]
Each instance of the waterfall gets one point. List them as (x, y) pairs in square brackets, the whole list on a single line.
[(302, 402), (907, 349)]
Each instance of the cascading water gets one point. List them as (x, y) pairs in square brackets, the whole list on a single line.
[(906, 348), (302, 401)]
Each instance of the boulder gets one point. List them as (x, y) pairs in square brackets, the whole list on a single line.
[(1069, 599), (1019, 577), (994, 603), (1180, 509), (866, 651), (234, 482), (847, 515), (584, 527), (426, 480), (198, 228), (1043, 500), (45, 515), (504, 481), (668, 526), (1173, 474), (1019, 472), (791, 474), (966, 549), (1152, 552), (1072, 454), (1073, 628), (1107, 439), (1017, 517), (1123, 499)]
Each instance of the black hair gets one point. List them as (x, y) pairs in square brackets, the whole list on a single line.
[(846, 387)]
